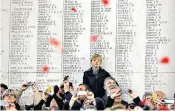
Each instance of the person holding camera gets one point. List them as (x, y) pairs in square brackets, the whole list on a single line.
[(13, 95), (83, 94), (107, 83), (10, 100), (68, 88), (47, 101), (115, 97), (147, 103), (95, 76)]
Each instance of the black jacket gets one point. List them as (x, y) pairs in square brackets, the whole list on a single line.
[(67, 96), (138, 102), (96, 81), (105, 98)]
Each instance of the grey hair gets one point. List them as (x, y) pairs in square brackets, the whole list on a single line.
[(146, 94), (109, 78), (8, 91)]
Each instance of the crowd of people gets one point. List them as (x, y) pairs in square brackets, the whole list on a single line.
[(98, 91)]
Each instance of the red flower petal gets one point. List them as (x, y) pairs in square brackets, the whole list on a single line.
[(93, 38), (62, 50), (54, 42), (165, 60), (45, 69), (73, 9), (105, 2)]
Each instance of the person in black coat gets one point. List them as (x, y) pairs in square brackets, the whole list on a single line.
[(107, 83), (147, 98), (80, 98), (67, 88), (115, 97), (95, 76)]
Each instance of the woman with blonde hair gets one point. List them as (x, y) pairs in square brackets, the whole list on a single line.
[(95, 76)]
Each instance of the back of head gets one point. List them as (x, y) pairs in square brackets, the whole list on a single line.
[(160, 94), (3, 86)]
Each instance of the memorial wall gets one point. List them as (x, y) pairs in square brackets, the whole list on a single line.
[(44, 40)]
